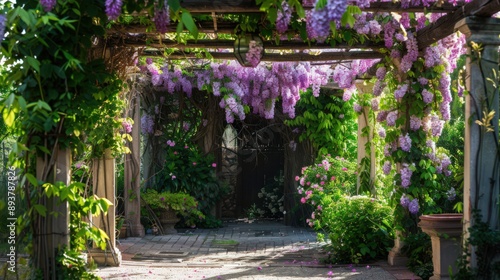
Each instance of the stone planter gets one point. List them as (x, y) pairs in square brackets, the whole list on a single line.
[(124, 231), (168, 219), (445, 231)]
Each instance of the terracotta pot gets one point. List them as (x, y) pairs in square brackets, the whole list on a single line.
[(168, 219), (445, 231)]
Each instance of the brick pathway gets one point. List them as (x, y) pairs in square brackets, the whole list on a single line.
[(239, 250)]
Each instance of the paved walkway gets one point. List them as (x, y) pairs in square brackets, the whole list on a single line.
[(239, 250)]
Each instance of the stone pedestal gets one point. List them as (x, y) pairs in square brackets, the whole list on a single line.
[(396, 258), (104, 187), (445, 231)]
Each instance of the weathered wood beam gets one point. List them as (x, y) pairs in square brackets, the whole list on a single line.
[(396, 7), (445, 25), (228, 44), (249, 6), (221, 6), (325, 56)]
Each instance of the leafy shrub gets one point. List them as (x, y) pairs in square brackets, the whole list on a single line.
[(187, 169), (418, 249), (182, 203), (359, 228)]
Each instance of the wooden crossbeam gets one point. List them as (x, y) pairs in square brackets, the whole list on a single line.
[(249, 6), (228, 44), (333, 57), (445, 25)]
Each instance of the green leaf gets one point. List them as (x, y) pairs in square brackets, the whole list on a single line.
[(34, 63), (32, 179), (40, 209), (9, 116), (188, 21), (174, 5)]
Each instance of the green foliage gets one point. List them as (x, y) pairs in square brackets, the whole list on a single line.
[(359, 229), (186, 169), (487, 245), (418, 249), (271, 200), (80, 207), (72, 265), (328, 122), (182, 203)]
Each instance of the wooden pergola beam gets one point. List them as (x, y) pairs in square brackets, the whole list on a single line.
[(228, 44), (325, 56), (445, 25), (249, 6)]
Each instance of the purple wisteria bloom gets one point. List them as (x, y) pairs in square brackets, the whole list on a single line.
[(3, 23), (406, 176), (404, 201), (48, 5), (283, 17), (405, 142), (162, 19), (113, 9), (413, 206), (415, 123), (387, 167), (391, 118)]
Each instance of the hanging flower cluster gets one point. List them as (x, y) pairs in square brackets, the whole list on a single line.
[(242, 87)]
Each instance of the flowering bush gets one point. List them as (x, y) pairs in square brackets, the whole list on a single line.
[(358, 227), (320, 182), (271, 200)]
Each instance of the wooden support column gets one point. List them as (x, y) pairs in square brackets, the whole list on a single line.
[(132, 196), (481, 186), (104, 187), (52, 231), (363, 141)]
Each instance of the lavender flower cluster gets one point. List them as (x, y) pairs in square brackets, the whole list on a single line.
[(254, 53), (258, 87), (113, 9), (283, 17), (127, 126), (3, 23), (411, 205), (147, 124), (162, 18), (48, 5), (318, 20)]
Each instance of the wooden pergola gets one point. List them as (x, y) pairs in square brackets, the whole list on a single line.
[(473, 19), (137, 35)]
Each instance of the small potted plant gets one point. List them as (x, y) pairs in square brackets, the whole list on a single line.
[(168, 206)]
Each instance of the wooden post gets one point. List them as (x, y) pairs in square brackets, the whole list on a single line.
[(104, 187), (52, 231), (481, 187), (132, 193), (363, 122)]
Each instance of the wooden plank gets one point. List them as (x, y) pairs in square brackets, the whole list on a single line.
[(221, 6), (228, 44), (325, 56), (445, 25)]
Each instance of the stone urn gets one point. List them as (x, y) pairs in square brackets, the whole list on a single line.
[(168, 219), (445, 231)]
